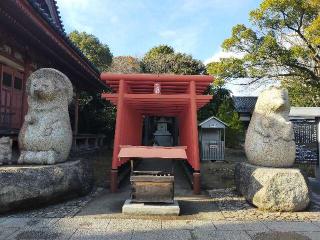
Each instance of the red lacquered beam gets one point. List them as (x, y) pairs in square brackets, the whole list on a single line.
[(105, 76)]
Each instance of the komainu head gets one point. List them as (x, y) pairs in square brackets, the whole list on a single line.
[(273, 100), (48, 84)]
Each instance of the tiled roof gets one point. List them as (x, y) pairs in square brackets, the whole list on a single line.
[(244, 104), (60, 30), (212, 117), (47, 15), (304, 112)]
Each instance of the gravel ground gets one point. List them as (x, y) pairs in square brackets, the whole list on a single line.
[(233, 206)]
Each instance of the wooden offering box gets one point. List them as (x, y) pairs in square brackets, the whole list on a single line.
[(152, 187)]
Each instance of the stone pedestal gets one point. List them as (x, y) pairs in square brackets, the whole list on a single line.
[(28, 186), (273, 189), (167, 209)]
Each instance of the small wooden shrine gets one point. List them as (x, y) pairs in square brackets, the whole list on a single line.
[(140, 95)]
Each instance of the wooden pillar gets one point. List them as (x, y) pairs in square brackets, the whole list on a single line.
[(317, 170), (27, 71), (117, 137), (76, 113), (75, 122), (194, 138)]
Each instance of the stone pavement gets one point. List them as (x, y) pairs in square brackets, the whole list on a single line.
[(223, 216), (91, 227)]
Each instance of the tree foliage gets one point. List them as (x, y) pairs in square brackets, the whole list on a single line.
[(158, 50), (283, 44), (302, 94), (235, 130), (98, 53), (163, 59), (219, 94), (95, 114), (125, 64)]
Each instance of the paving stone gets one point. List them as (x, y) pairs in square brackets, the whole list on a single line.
[(28, 222), (240, 225), (177, 235), (83, 222), (311, 235), (281, 236), (154, 235), (2, 219), (220, 235), (96, 234), (134, 224), (45, 233), (317, 223), (283, 226), (5, 232), (186, 224)]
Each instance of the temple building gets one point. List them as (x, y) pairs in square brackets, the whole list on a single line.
[(32, 37)]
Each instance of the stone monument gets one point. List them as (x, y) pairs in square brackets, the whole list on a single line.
[(267, 180), (46, 135), (5, 150), (270, 138), (45, 141)]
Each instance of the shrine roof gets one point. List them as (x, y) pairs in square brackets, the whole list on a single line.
[(40, 33), (169, 83), (56, 19), (59, 28), (174, 96)]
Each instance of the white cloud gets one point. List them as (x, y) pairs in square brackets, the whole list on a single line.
[(196, 5), (183, 39), (222, 54), (74, 14)]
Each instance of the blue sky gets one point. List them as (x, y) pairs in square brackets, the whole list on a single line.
[(132, 27)]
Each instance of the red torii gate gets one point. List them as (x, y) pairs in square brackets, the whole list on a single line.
[(138, 95)]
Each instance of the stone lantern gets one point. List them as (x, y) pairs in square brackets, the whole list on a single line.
[(162, 137)]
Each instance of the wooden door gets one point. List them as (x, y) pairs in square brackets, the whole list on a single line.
[(17, 99), (11, 100), (6, 97)]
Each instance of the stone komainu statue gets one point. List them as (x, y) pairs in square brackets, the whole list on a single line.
[(46, 135), (270, 137)]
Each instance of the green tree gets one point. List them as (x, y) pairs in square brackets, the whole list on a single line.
[(163, 59), (95, 114), (284, 43), (235, 130), (302, 94), (158, 50), (125, 64), (98, 53), (219, 94)]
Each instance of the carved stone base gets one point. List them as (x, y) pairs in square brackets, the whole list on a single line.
[(23, 187), (273, 189)]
